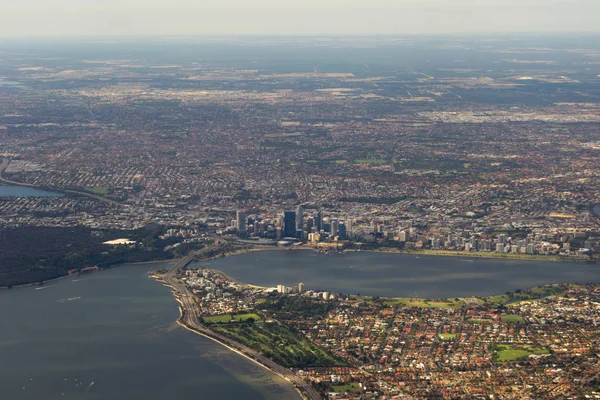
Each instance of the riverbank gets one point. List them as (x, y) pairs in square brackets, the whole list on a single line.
[(44, 282), (39, 283), (194, 326), (439, 253), (490, 255), (6, 161), (238, 352)]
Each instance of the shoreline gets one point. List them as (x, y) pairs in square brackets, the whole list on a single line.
[(182, 323), (426, 253), (485, 255), (6, 162), (43, 283), (238, 352)]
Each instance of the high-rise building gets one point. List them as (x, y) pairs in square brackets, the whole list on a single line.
[(474, 243), (300, 217), (289, 224), (335, 228), (301, 287), (402, 236), (240, 218), (530, 248), (349, 232), (343, 234), (310, 224), (319, 221)]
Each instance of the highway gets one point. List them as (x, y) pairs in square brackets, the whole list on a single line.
[(190, 318)]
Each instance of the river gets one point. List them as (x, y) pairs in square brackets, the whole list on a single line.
[(26, 191), (112, 335), (399, 275)]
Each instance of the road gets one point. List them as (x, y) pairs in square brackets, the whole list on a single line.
[(190, 318), (6, 161)]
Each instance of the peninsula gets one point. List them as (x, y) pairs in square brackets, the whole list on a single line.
[(328, 344)]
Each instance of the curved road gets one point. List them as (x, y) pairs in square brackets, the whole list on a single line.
[(190, 318)]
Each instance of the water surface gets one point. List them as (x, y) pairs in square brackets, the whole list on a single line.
[(26, 191), (111, 335), (399, 275)]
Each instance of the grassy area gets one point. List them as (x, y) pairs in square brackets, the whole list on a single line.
[(216, 319), (280, 344), (507, 352), (480, 321), (511, 318), (99, 190), (448, 336), (424, 303), (349, 387), (341, 161), (370, 161), (524, 295)]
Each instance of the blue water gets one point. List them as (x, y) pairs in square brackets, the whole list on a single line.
[(398, 275), (112, 335), (26, 191)]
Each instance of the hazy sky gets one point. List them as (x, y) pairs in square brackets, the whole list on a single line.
[(290, 17)]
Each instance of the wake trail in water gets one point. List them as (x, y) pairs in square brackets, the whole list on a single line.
[(44, 287)]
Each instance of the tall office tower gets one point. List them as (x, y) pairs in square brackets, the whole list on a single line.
[(335, 228), (301, 287), (349, 228), (259, 227), (343, 234), (300, 217), (475, 243), (240, 217), (310, 223), (402, 236), (319, 221), (289, 224)]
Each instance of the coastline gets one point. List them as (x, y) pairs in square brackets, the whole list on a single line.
[(181, 322), (38, 283), (425, 253), (42, 283), (486, 255), (238, 352), (6, 162)]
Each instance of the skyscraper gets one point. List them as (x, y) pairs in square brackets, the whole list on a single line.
[(289, 224), (300, 217), (335, 228), (319, 221), (241, 222)]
